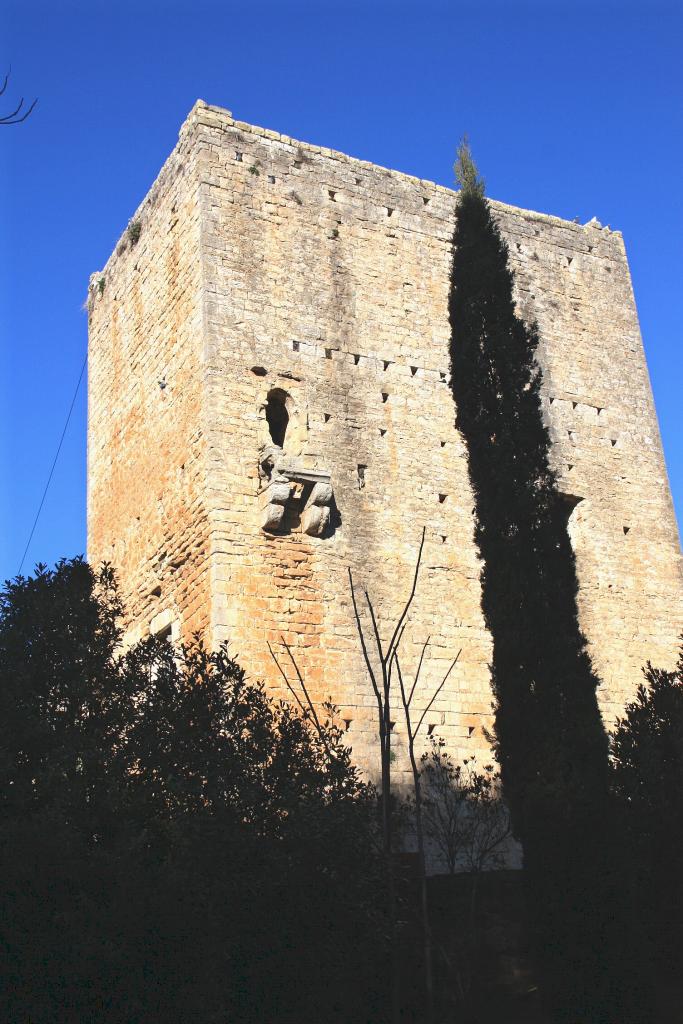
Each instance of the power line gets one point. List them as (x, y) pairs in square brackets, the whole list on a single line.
[(54, 463)]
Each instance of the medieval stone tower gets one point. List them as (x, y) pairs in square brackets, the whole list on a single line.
[(269, 405)]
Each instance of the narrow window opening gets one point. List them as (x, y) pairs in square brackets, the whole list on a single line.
[(442, 443), (156, 592), (413, 371), (295, 346), (332, 194), (430, 728), (613, 441), (382, 431), (569, 260), (385, 397), (271, 179), (361, 475), (165, 633), (328, 353), (443, 537), (327, 417), (442, 498), (386, 363), (570, 465), (599, 408), (626, 529), (590, 248), (570, 434), (390, 210), (425, 200), (442, 376), (391, 726), (357, 181), (356, 359), (238, 157), (574, 405), (551, 399), (470, 731), (347, 723), (277, 416)]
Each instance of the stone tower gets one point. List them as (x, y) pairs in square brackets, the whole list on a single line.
[(269, 406)]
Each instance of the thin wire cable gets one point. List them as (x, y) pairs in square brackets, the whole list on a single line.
[(54, 463)]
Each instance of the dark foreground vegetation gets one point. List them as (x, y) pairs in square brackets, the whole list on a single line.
[(177, 846), (580, 875)]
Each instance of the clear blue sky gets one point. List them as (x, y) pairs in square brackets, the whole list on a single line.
[(572, 108)]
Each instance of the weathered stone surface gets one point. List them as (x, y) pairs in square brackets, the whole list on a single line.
[(315, 520), (277, 492), (326, 278), (272, 517), (321, 494)]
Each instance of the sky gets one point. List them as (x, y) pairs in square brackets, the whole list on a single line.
[(572, 108)]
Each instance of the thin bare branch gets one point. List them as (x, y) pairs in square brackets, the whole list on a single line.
[(406, 702), (408, 603), (284, 676), (437, 691), (398, 644), (368, 664), (385, 710), (361, 636), (310, 703), (7, 117), (419, 669), (13, 119), (375, 631)]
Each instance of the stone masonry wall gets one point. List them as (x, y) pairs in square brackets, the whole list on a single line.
[(325, 279), (147, 509)]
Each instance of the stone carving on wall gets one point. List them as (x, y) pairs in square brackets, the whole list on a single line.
[(287, 485)]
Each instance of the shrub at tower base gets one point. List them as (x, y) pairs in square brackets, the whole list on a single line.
[(175, 845), (549, 736), (647, 774)]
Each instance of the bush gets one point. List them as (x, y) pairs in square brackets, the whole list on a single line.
[(176, 845), (647, 776)]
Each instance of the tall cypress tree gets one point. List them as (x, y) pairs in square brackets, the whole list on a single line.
[(549, 735)]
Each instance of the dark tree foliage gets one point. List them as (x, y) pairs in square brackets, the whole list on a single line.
[(647, 775), (174, 844), (549, 737)]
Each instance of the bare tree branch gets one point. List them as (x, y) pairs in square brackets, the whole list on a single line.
[(419, 669), (410, 599), (368, 665), (307, 696), (13, 118), (438, 691), (284, 676)]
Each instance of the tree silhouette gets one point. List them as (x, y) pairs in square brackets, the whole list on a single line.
[(549, 737), (174, 844), (647, 775)]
